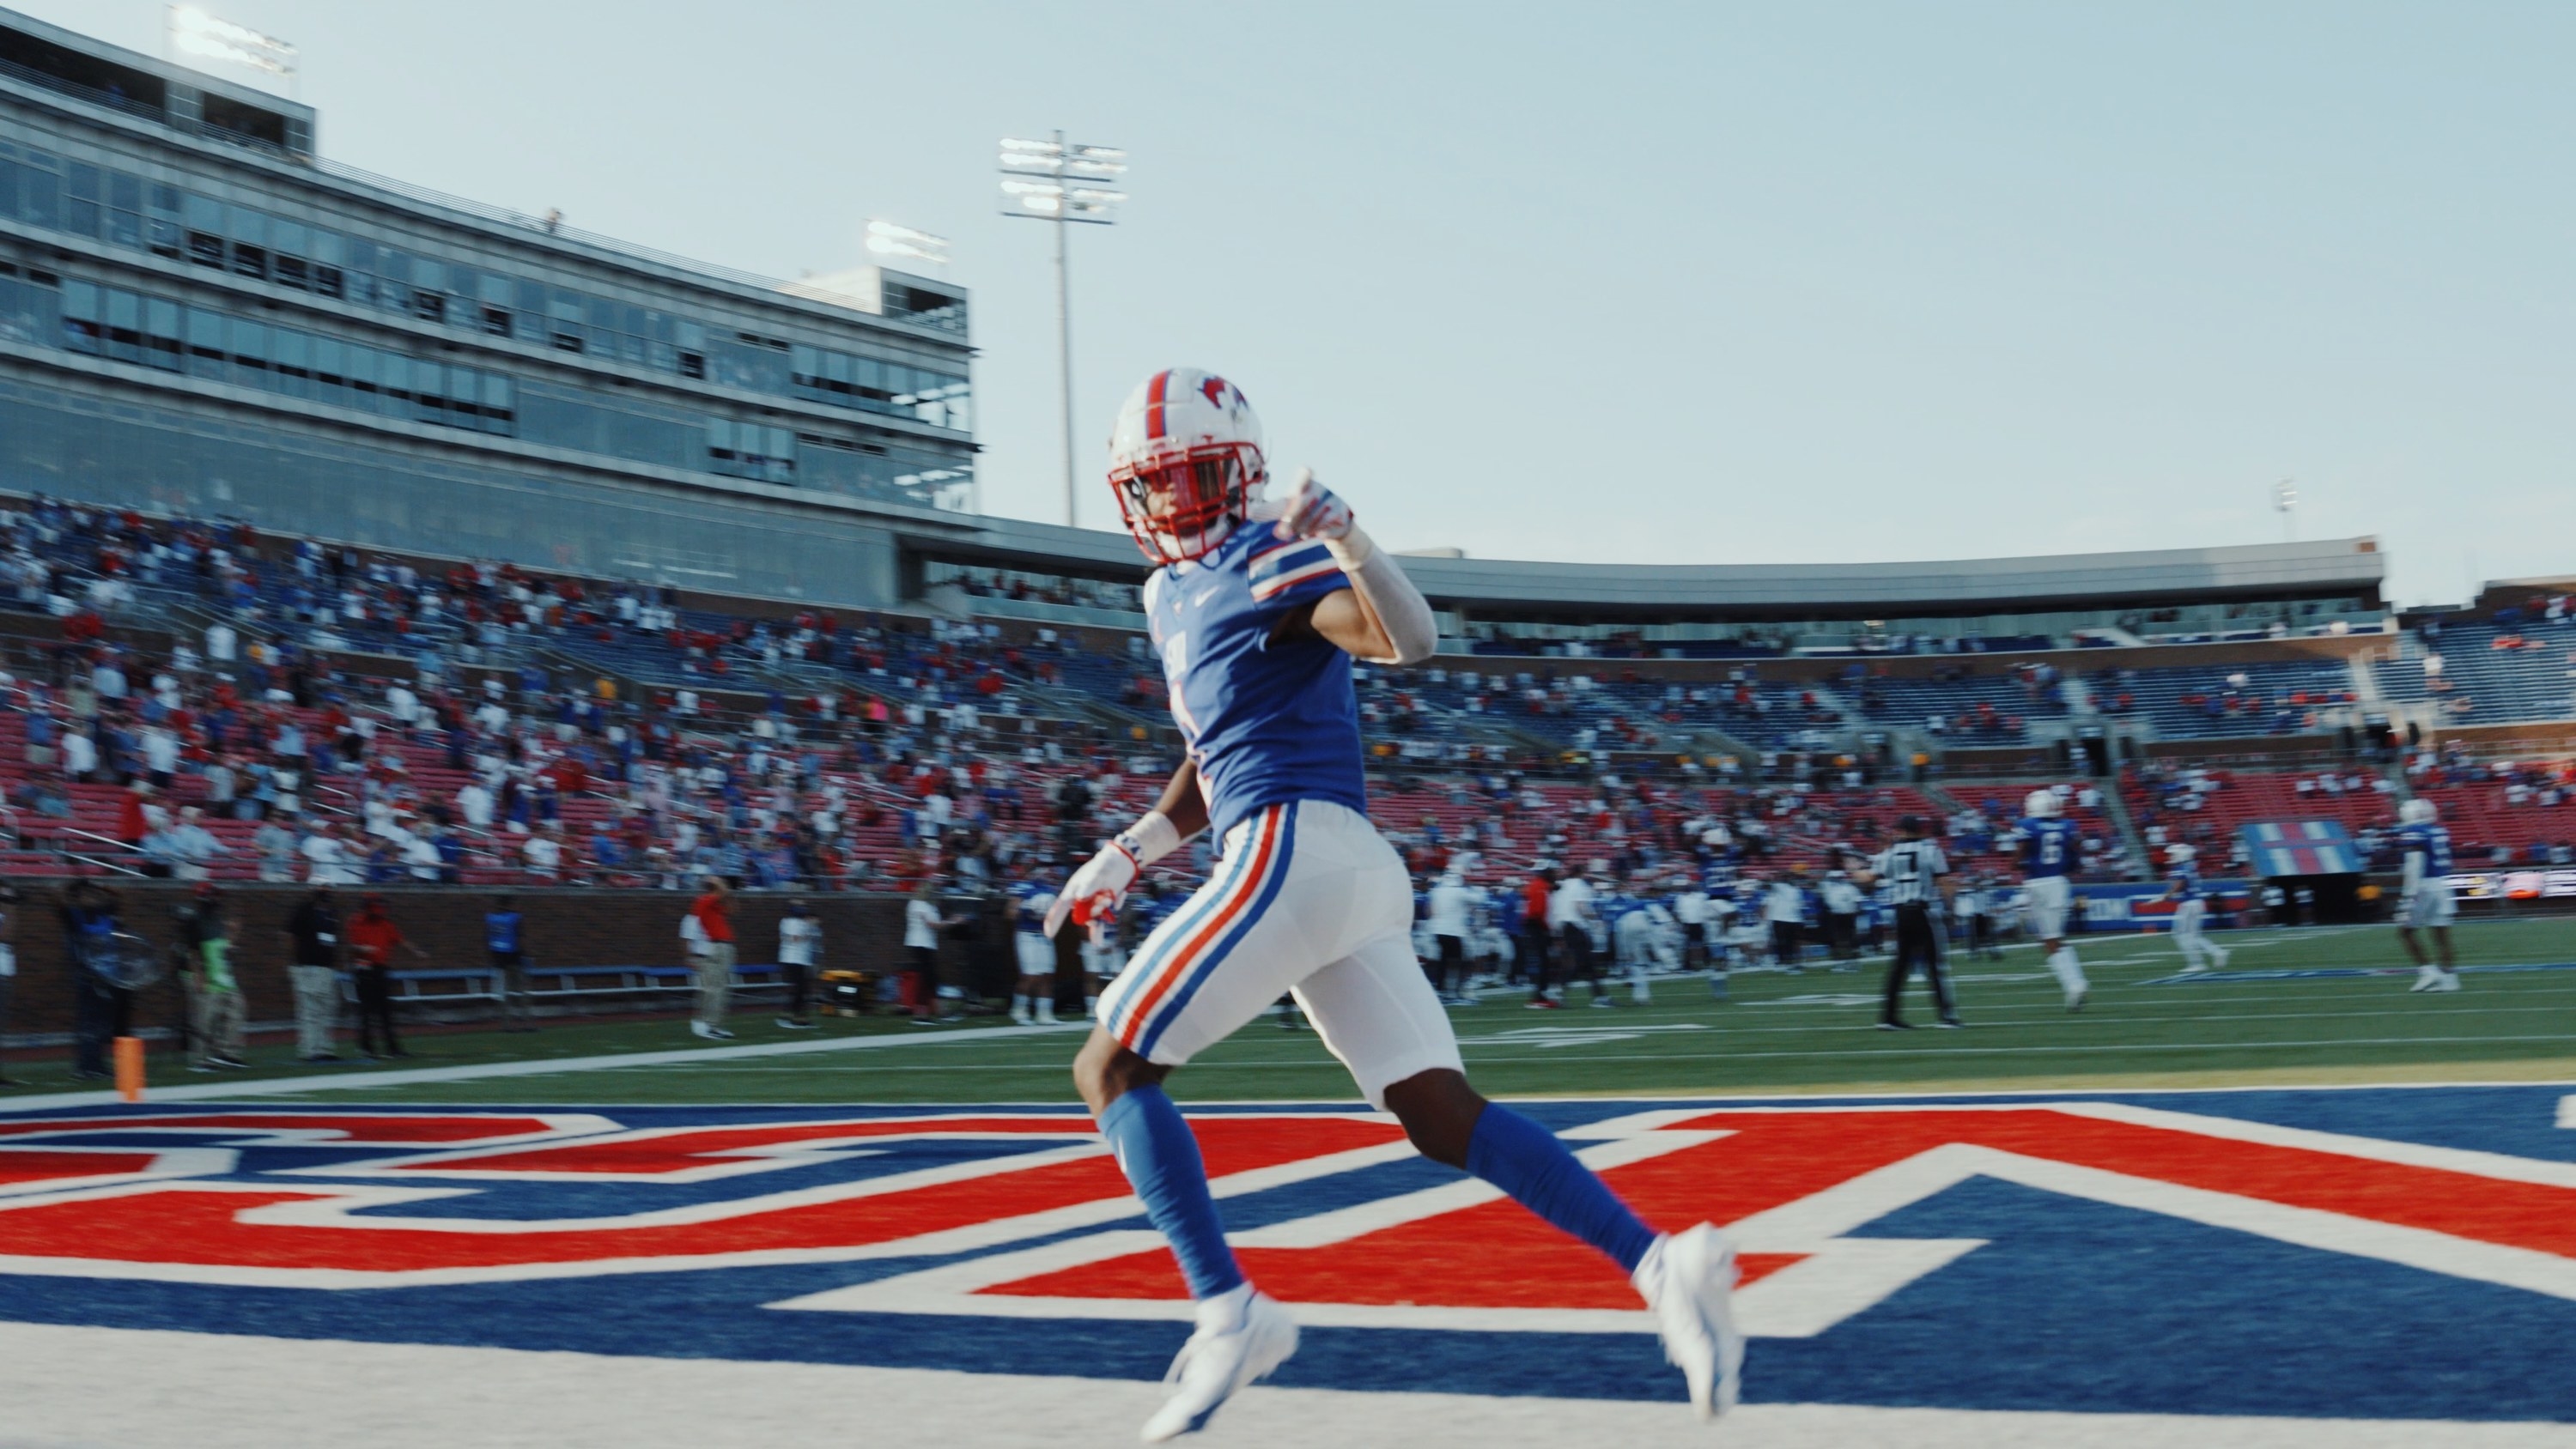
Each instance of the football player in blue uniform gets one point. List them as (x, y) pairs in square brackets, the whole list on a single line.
[(2426, 904), (2047, 854), (2191, 910), (1033, 1003), (1258, 609)]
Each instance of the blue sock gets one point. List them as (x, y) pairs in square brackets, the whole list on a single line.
[(1524, 1159), (1161, 1160)]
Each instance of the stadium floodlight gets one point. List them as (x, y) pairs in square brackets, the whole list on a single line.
[(2285, 498), (192, 31), (903, 243), (1043, 181)]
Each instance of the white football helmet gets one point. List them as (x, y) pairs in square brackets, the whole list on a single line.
[(2418, 811), (2042, 804), (2180, 854), (1185, 461)]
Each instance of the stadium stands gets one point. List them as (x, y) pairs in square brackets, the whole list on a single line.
[(2245, 698), (2475, 672), (641, 736)]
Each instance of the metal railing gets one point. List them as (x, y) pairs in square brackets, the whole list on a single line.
[(109, 863), (555, 229), (948, 319), (157, 115)]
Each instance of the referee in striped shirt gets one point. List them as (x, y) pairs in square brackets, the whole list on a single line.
[(1917, 879)]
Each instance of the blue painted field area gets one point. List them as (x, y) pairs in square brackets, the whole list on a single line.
[(2346, 1271)]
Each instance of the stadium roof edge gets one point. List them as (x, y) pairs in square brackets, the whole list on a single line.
[(2325, 566)]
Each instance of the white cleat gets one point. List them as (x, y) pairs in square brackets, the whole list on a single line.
[(2447, 981), (1688, 1279), (2222, 956), (1216, 1362), (2075, 999), (2427, 978)]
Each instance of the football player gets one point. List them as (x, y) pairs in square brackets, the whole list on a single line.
[(2047, 853), (1033, 1002), (1258, 609), (2191, 910), (2426, 904)]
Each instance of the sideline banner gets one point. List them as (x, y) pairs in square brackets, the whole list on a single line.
[(2141, 906)]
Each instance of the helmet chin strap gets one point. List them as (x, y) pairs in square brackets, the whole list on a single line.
[(1217, 532)]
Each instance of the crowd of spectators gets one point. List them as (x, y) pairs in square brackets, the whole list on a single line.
[(276, 736)]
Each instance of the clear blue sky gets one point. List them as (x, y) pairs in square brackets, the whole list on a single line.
[(1680, 283)]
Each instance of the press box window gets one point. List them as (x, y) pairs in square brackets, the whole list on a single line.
[(124, 209), (84, 325), (80, 199)]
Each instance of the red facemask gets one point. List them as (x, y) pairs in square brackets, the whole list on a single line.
[(1181, 505)]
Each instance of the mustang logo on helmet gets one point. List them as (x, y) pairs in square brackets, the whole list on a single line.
[(1185, 462)]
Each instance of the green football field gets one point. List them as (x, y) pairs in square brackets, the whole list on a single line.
[(2514, 1020)]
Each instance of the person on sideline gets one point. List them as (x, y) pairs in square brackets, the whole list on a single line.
[(505, 939), (709, 931), (800, 942), (8, 960), (373, 939), (922, 924), (313, 936)]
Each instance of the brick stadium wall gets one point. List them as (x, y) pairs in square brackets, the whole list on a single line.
[(563, 928)]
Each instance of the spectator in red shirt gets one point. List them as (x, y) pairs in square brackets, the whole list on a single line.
[(373, 938), (134, 814)]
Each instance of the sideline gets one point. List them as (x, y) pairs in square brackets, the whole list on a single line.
[(539, 1067)]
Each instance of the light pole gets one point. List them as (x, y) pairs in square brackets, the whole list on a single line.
[(906, 244), (1041, 180), (187, 30), (2285, 497)]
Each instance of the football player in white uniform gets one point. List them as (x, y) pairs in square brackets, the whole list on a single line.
[(2426, 904), (2191, 911), (1033, 1003)]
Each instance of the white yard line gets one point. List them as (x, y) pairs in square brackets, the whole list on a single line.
[(204, 1391), (541, 1067), (1206, 1066)]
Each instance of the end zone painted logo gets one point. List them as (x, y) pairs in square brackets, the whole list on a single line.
[(2379, 1253)]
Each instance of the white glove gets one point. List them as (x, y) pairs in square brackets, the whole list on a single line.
[(1092, 896), (1313, 511)]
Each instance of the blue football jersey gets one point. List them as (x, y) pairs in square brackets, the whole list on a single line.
[(2433, 842), (1265, 721), (2183, 882), (1030, 902), (2047, 846)]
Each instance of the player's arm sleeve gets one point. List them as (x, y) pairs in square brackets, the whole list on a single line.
[(1405, 616), (1308, 572), (2414, 871)]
